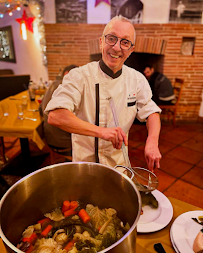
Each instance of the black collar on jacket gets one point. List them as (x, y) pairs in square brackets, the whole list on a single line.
[(108, 71)]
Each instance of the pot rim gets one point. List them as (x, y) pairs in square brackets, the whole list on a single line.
[(13, 247)]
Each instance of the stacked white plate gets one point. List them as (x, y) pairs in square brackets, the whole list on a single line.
[(184, 231), (172, 241)]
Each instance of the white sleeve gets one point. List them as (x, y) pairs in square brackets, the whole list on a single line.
[(68, 94), (145, 105)]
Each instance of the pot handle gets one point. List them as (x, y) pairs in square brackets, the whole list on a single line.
[(131, 171)]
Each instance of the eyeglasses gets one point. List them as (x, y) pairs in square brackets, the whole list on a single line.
[(111, 40)]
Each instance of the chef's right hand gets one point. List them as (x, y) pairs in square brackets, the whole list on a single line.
[(116, 135)]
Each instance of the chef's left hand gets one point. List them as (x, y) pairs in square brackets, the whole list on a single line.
[(152, 154)]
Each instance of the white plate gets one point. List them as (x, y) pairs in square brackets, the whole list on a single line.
[(173, 243), (184, 230), (155, 219)]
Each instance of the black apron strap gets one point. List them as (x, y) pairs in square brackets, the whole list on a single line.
[(97, 122)]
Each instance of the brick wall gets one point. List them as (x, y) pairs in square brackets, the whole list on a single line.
[(68, 44)]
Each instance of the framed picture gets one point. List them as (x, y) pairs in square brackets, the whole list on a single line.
[(131, 9), (186, 11), (7, 51), (69, 11)]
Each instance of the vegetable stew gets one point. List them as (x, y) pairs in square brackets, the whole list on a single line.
[(75, 228)]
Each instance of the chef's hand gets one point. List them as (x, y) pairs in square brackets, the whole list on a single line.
[(152, 154), (116, 135)]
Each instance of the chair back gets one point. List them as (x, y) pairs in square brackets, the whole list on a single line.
[(6, 72), (177, 89), (11, 85), (172, 109)]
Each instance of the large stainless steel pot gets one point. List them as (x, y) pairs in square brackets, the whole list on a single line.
[(45, 189)]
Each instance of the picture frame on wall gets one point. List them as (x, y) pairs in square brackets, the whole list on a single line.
[(7, 50), (186, 11), (69, 11), (131, 9)]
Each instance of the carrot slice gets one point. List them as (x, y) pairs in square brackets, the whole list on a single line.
[(30, 249), (46, 230), (84, 216), (66, 206), (69, 245), (73, 205), (30, 239), (70, 212), (43, 221)]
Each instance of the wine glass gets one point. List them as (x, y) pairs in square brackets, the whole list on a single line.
[(5, 109)]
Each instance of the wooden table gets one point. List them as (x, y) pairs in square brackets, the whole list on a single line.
[(145, 242), (11, 126)]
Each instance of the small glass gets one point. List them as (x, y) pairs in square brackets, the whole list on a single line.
[(35, 114), (31, 94), (19, 109), (5, 109), (24, 102)]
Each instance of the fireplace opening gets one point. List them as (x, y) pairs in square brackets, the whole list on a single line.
[(138, 61)]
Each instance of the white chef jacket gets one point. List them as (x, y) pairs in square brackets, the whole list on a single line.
[(132, 97)]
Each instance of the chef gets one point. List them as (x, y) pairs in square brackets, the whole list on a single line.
[(80, 105)]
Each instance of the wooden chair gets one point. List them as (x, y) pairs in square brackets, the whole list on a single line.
[(6, 72), (58, 158), (3, 158), (2, 150), (172, 109)]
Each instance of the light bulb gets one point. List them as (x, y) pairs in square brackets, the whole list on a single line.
[(1, 15), (23, 30), (36, 32), (10, 13)]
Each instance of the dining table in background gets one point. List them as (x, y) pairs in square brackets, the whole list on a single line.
[(12, 126)]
